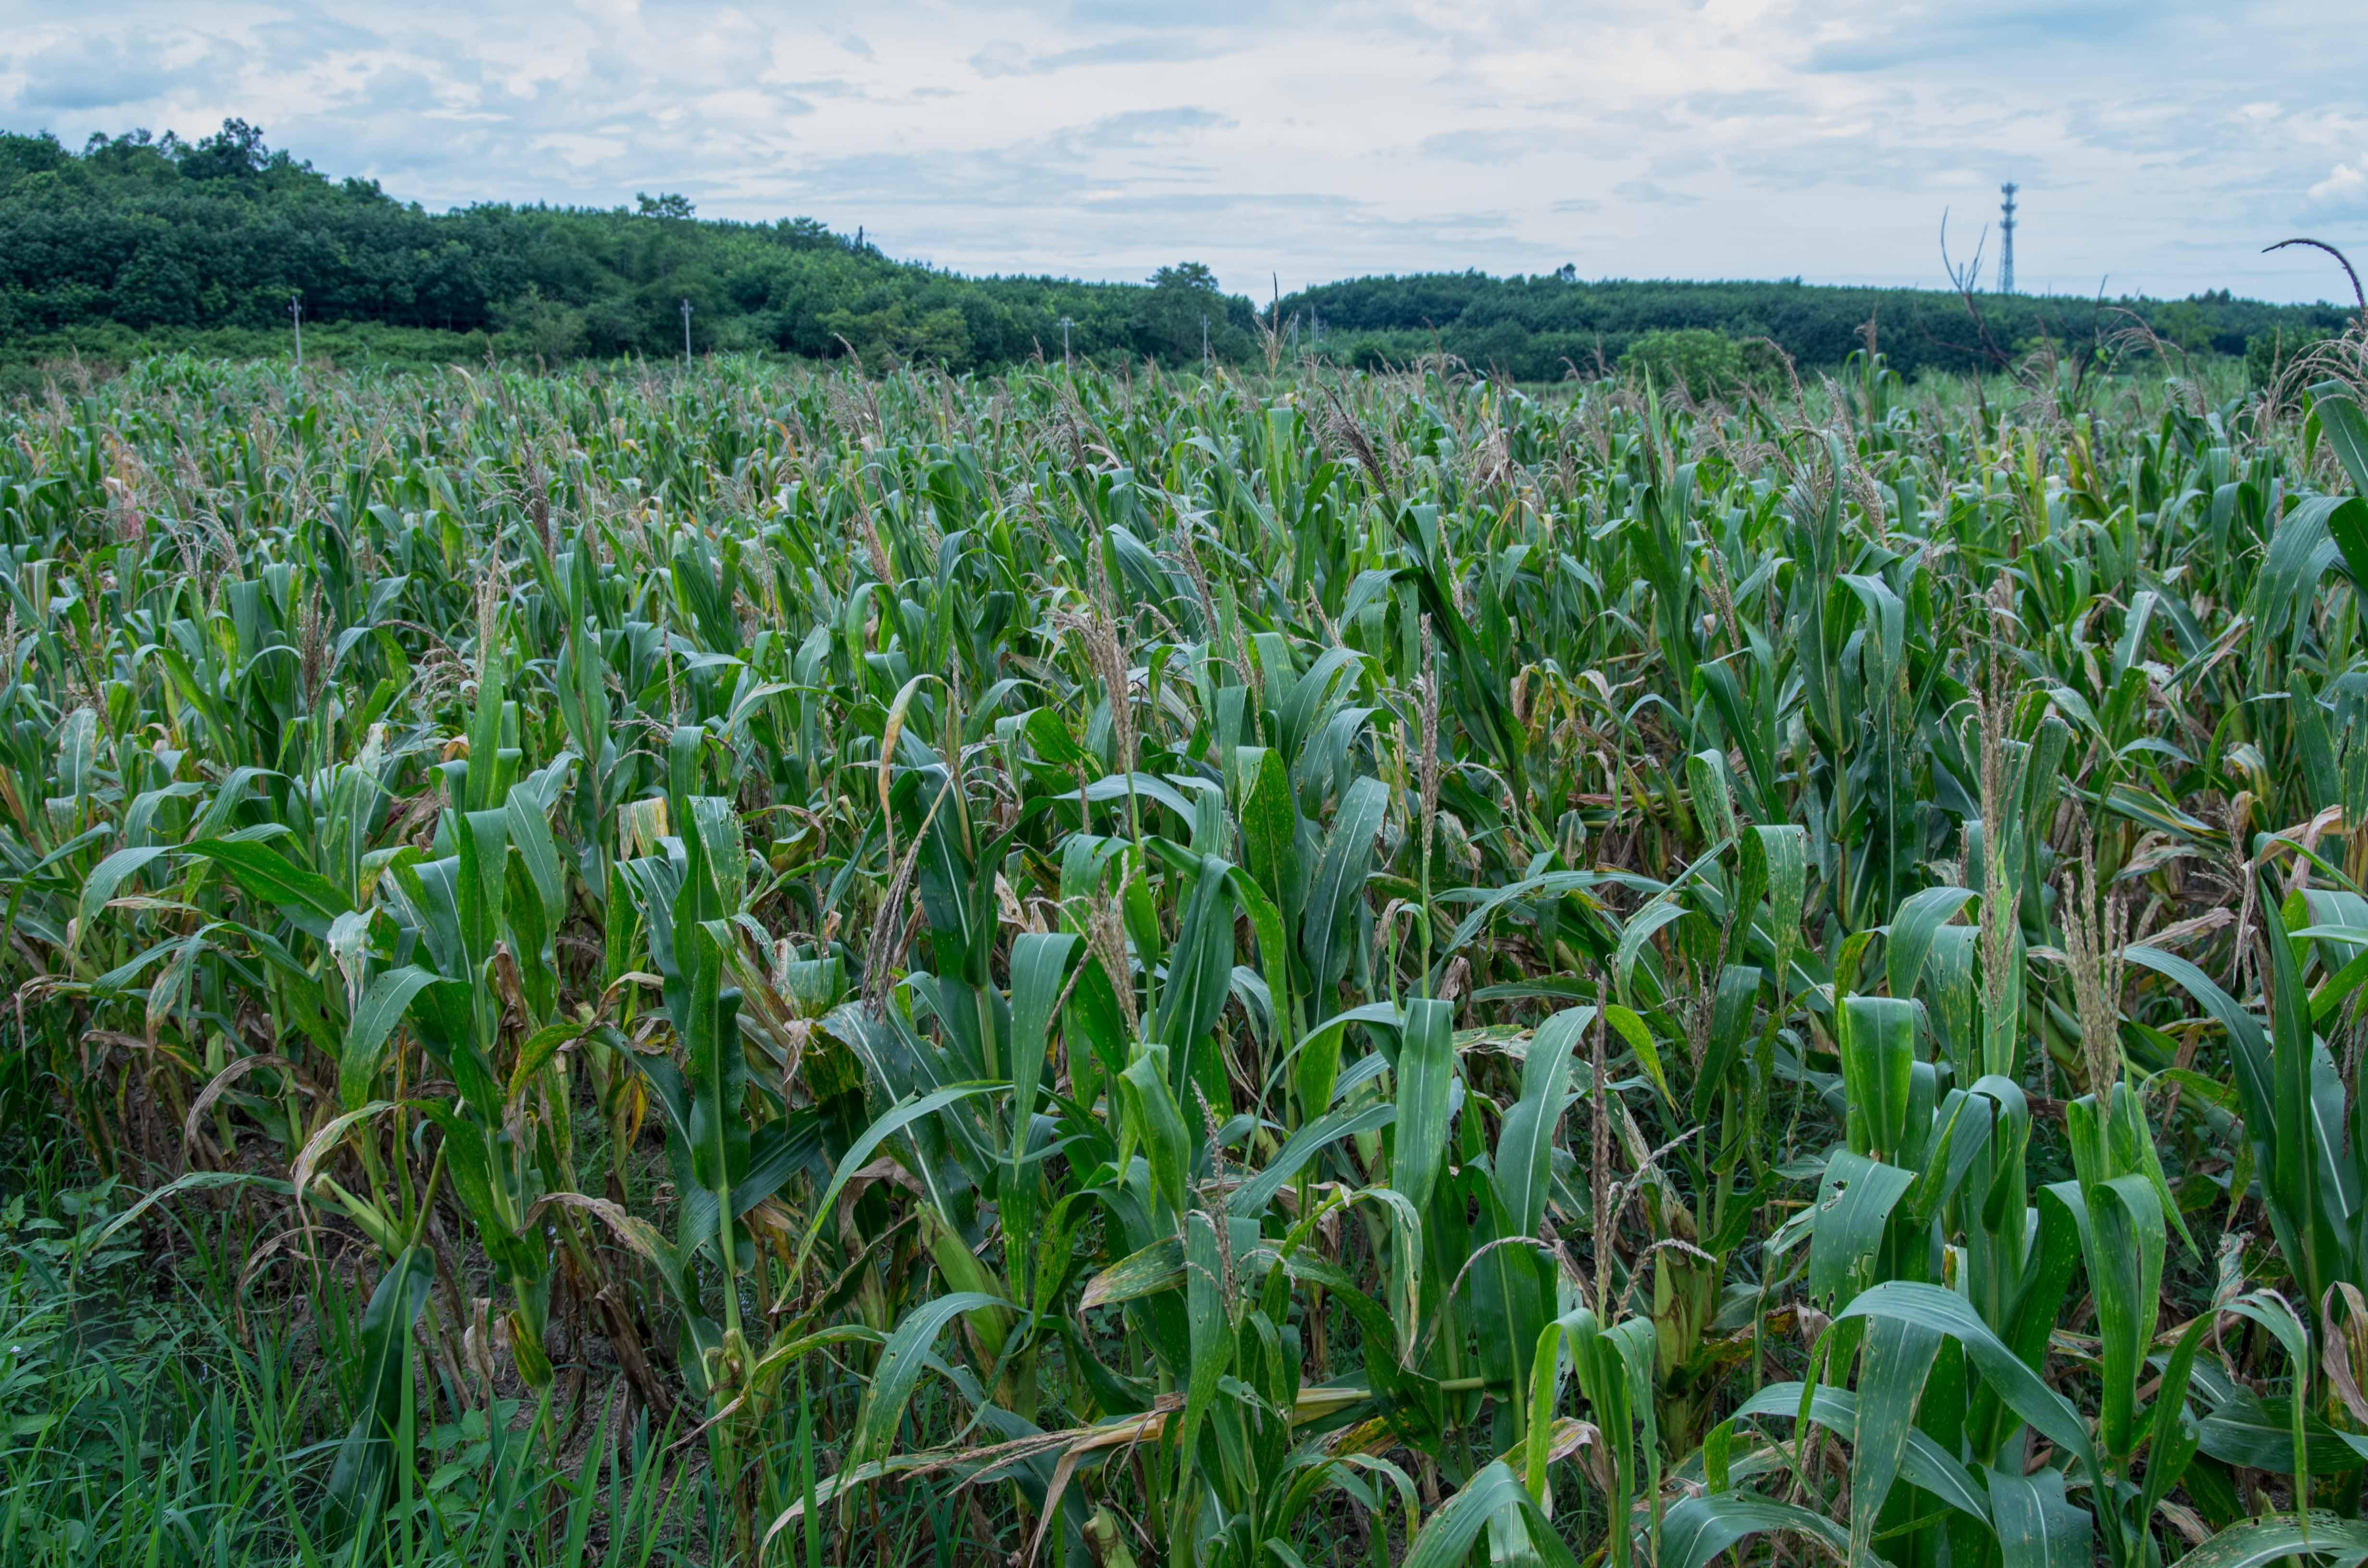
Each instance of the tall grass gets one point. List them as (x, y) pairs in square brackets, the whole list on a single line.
[(784, 967)]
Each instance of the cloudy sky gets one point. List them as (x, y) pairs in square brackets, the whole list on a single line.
[(2160, 143)]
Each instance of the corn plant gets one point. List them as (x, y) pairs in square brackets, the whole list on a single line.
[(1317, 968)]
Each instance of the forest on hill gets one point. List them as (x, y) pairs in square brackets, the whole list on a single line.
[(140, 243)]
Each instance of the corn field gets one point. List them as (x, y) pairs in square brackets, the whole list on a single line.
[(1077, 970)]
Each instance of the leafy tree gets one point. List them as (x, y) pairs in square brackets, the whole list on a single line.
[(1183, 299), (2270, 355), (235, 151), (1707, 364)]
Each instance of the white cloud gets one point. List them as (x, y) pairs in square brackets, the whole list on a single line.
[(1104, 138), (2344, 190), (1484, 147)]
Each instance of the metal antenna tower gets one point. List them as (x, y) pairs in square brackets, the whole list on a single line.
[(2006, 239)]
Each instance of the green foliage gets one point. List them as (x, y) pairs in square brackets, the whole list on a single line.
[(138, 244), (775, 965), (1541, 328), (1706, 364), (2270, 357), (158, 240)]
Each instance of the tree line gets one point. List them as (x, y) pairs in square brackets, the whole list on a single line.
[(138, 241), (1542, 327), (157, 236)]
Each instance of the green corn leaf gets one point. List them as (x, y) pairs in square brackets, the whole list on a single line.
[(1158, 1124), (2172, 1437), (1910, 935), (309, 899), (1786, 850), (1714, 803), (1525, 1143), (1200, 966), (1040, 967), (1149, 787), (2299, 554), (1208, 1326), (2243, 1028), (1730, 1033), (1269, 931), (2257, 1433), (718, 1068), (902, 1359), (1545, 1384), (1699, 1528), (381, 1009), (1486, 903), (1252, 1197), (2339, 1543), (1327, 929), (1311, 693), (1614, 1367), (2293, 1141), (364, 1455), (2347, 524), (2125, 1238), (2346, 430), (859, 1153), (1160, 1267), (1896, 1358), (536, 1052), (529, 831), (1637, 1035), (2015, 1382), (110, 875), (1316, 1059), (1665, 910), (1426, 1082), (1447, 1536), (2036, 1527), (529, 940), (1878, 1055), (479, 887), (1855, 1203), (1923, 1463)]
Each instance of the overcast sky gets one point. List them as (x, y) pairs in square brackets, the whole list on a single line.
[(2160, 143)]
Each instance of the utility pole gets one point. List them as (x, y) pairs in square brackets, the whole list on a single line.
[(2006, 239), (1066, 363), (1204, 340), (296, 314), (685, 335)]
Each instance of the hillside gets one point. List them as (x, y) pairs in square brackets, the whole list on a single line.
[(138, 243), (139, 239)]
